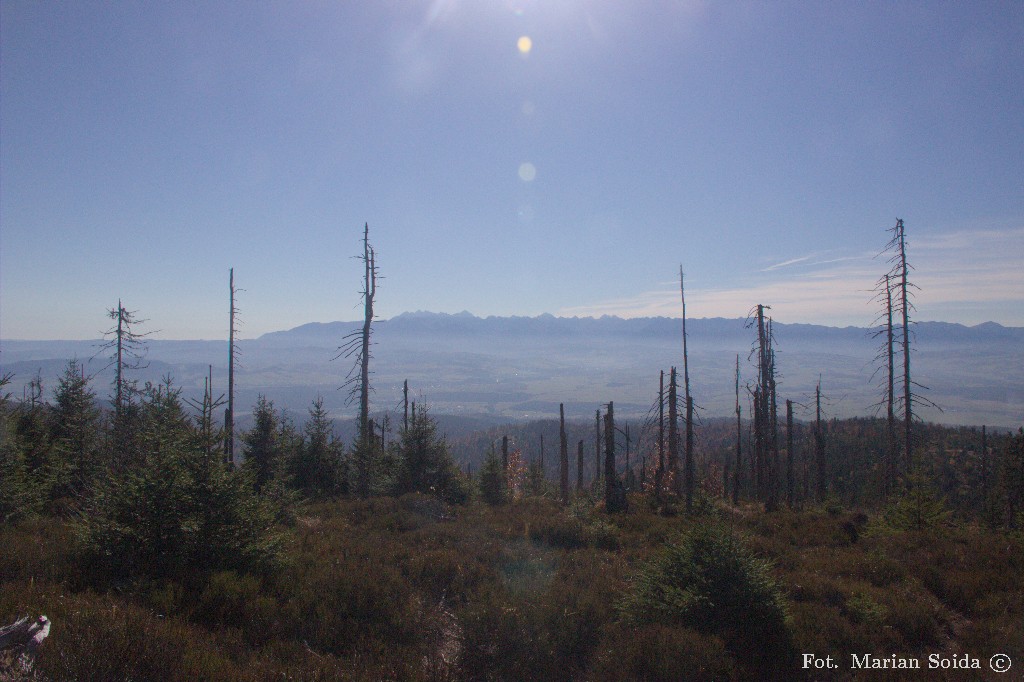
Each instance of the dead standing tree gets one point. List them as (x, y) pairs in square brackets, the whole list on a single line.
[(886, 353), (790, 483), (127, 352), (579, 467), (739, 439), (357, 344), (819, 444), (563, 459), (688, 461), (206, 408), (659, 472), (899, 276), (766, 446), (673, 436), (775, 468), (614, 494), (233, 353)]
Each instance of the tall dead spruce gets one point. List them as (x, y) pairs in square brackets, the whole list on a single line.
[(229, 412), (688, 476), (563, 459), (673, 434), (886, 354), (766, 443), (128, 351), (357, 344), (900, 283), (819, 444), (739, 439)]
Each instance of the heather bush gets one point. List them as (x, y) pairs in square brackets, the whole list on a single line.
[(663, 653)]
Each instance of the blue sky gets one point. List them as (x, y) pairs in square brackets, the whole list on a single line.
[(145, 148)]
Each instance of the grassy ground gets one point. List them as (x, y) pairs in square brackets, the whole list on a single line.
[(411, 589)]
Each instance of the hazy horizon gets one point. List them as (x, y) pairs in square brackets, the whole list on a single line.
[(159, 334)]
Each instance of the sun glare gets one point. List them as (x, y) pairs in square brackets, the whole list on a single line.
[(524, 44)]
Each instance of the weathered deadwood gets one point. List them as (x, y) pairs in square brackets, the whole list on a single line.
[(25, 632), (23, 638)]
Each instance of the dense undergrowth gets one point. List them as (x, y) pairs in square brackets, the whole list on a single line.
[(411, 588)]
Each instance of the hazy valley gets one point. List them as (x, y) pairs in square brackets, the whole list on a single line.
[(497, 369)]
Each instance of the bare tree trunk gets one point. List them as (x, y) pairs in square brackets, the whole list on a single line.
[(542, 472), (504, 454), (890, 400), (790, 488), (819, 443), (908, 412), (673, 435), (563, 460), (405, 402), (739, 439), (762, 399), (659, 473), (776, 468), (358, 381), (229, 414), (689, 454), (579, 466), (609, 458), (758, 446), (370, 284), (119, 371), (628, 469), (688, 462), (597, 448)]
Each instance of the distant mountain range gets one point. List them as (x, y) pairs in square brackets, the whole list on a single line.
[(502, 368)]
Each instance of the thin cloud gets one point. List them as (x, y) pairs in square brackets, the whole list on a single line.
[(792, 261), (967, 276)]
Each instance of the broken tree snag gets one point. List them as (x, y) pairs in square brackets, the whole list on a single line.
[(688, 460), (673, 436), (229, 413), (25, 634), (609, 458), (739, 439), (819, 444), (790, 487), (659, 472), (563, 458), (579, 466)]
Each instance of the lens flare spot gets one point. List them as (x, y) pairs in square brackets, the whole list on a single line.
[(527, 171), (524, 44)]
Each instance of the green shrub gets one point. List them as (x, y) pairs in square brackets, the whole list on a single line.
[(919, 508), (493, 483), (710, 582), (178, 512)]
